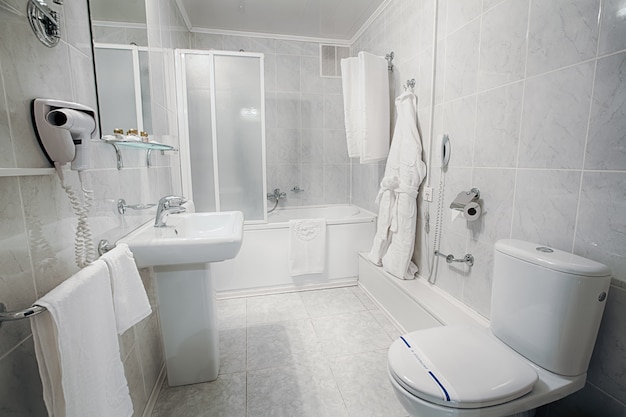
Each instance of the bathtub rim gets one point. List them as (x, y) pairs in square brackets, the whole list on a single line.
[(364, 216)]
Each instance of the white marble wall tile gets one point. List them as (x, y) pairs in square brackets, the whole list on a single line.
[(335, 147), (554, 118), (310, 80), (283, 146), (545, 207), (461, 62), (459, 117), (235, 43), (561, 32), (263, 45), (601, 226), (134, 378), (460, 12), (613, 27), (498, 126), (452, 277), (497, 187), (336, 184), (106, 34), (503, 44), (333, 112), (18, 377), (311, 184), (312, 108), (332, 86), (271, 110), (440, 71), (297, 48), (363, 382), (31, 70), (477, 287), (287, 73), (609, 356), (207, 41), (77, 33), (16, 276), (7, 158), (83, 81), (312, 151), (288, 110), (140, 36), (606, 147)]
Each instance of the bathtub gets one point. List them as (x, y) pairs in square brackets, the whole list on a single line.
[(261, 267)]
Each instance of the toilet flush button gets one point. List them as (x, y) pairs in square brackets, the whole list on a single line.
[(544, 249)]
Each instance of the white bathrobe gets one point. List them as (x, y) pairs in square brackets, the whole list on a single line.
[(397, 199)]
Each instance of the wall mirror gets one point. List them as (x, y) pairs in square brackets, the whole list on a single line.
[(121, 63)]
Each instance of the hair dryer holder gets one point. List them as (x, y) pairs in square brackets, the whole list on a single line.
[(64, 143)]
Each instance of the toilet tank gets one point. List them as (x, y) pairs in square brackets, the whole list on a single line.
[(547, 304)]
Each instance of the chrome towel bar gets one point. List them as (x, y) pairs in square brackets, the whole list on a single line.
[(19, 314)]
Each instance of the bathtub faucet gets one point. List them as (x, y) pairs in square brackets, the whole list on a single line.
[(276, 196), (168, 205)]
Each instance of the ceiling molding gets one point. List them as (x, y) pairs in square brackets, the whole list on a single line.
[(369, 21), (340, 42)]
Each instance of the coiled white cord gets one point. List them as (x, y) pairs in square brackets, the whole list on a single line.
[(84, 251)]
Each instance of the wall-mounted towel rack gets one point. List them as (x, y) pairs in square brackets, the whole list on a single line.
[(410, 84), (19, 314)]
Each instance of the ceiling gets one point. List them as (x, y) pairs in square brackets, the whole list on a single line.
[(328, 19)]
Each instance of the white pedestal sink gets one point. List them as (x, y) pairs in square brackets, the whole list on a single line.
[(181, 253)]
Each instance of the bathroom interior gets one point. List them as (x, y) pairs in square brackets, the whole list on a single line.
[(531, 93)]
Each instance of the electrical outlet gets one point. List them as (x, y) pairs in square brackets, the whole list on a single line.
[(428, 194)]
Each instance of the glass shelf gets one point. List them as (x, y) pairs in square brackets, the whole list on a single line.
[(148, 146)]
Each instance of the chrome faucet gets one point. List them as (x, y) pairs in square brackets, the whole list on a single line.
[(170, 204)]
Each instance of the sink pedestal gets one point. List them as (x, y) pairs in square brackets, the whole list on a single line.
[(188, 323)]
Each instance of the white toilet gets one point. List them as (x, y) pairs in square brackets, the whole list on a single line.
[(545, 313)]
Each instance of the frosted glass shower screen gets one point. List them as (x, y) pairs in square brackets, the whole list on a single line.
[(224, 113)]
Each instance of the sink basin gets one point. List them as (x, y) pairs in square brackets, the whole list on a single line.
[(188, 238)]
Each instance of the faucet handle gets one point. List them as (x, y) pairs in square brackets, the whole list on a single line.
[(172, 201)]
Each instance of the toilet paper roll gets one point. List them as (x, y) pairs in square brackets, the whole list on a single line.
[(472, 211)]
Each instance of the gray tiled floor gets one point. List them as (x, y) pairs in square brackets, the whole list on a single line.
[(308, 354)]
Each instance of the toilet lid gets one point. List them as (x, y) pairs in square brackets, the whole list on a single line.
[(459, 367)]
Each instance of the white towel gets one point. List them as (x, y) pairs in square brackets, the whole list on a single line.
[(307, 246), (352, 104), (375, 87), (130, 300), (77, 348)]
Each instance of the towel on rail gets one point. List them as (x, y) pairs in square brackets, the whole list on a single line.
[(130, 300), (307, 246), (365, 83), (77, 348)]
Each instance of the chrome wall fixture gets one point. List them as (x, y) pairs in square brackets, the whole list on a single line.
[(468, 259), (44, 22), (389, 58), (409, 85), (19, 314)]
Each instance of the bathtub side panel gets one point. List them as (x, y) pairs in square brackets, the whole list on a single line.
[(262, 262)]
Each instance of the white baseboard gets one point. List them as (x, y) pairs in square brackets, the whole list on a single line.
[(154, 395)]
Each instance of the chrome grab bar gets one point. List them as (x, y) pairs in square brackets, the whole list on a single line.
[(19, 314), (468, 259)]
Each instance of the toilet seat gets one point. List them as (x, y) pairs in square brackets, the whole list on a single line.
[(459, 367)]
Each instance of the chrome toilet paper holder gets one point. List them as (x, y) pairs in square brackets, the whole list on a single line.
[(464, 198)]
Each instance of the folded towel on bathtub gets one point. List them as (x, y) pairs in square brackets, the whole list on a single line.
[(307, 246)]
